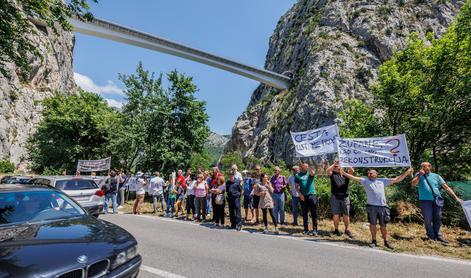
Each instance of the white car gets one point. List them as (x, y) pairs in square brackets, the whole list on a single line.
[(84, 190)]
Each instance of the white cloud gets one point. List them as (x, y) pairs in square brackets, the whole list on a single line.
[(114, 103), (87, 84)]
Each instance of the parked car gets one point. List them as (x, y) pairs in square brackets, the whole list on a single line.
[(16, 179), (45, 233), (84, 190)]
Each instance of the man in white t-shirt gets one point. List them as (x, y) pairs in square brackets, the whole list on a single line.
[(376, 204), (156, 190)]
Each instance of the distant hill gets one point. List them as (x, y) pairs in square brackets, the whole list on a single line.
[(215, 145)]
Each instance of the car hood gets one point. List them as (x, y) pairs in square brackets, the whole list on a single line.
[(51, 248)]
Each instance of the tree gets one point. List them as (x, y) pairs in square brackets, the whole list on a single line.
[(15, 27), (424, 92), (73, 127), (165, 126)]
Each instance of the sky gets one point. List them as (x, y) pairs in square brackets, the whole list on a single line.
[(238, 30)]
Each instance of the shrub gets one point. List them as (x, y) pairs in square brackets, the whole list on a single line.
[(6, 166)]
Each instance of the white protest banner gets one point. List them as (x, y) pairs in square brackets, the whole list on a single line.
[(467, 210), (316, 141), (374, 152), (94, 165)]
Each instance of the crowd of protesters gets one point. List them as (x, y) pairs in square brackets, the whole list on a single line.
[(202, 197)]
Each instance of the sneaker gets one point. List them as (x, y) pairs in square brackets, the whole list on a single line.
[(276, 231), (314, 233), (337, 233), (306, 233), (265, 231), (349, 234), (373, 244), (388, 245), (442, 240), (238, 228)]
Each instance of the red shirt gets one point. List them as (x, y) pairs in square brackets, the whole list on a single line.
[(181, 181), (214, 180)]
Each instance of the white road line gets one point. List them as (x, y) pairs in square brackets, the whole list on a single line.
[(161, 273), (320, 241)]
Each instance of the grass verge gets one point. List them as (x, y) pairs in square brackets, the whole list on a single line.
[(406, 237)]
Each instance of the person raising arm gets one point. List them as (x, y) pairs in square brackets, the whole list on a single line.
[(376, 204)]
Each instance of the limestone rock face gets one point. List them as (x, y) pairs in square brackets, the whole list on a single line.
[(20, 108), (333, 50)]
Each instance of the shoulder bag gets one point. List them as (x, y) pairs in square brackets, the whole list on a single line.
[(439, 200)]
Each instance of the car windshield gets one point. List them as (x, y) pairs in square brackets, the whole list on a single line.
[(36, 206), (76, 184)]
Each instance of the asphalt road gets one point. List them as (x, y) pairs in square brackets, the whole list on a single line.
[(176, 249)]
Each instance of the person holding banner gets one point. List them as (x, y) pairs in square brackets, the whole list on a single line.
[(304, 183), (339, 201), (430, 200), (376, 204)]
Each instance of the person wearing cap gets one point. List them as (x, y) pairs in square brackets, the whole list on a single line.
[(294, 194), (279, 183), (234, 190), (248, 187), (256, 198), (141, 184)]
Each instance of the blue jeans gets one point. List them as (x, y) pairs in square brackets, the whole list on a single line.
[(432, 218), (111, 197), (171, 205), (279, 207), (295, 207), (208, 204)]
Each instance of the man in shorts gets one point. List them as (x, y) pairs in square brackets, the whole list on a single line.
[(376, 204), (339, 200)]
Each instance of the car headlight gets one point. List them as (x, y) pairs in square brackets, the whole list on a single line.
[(124, 256)]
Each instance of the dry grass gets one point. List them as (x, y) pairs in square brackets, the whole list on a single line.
[(407, 238)]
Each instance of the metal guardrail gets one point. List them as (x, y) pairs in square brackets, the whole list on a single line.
[(108, 30)]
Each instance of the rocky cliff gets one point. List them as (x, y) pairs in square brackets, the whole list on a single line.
[(333, 49), (20, 110)]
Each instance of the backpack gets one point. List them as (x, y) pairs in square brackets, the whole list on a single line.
[(111, 185)]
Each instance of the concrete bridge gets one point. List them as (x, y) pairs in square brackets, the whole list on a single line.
[(108, 30)]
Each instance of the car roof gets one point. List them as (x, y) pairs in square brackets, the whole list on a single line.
[(24, 187), (64, 177)]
